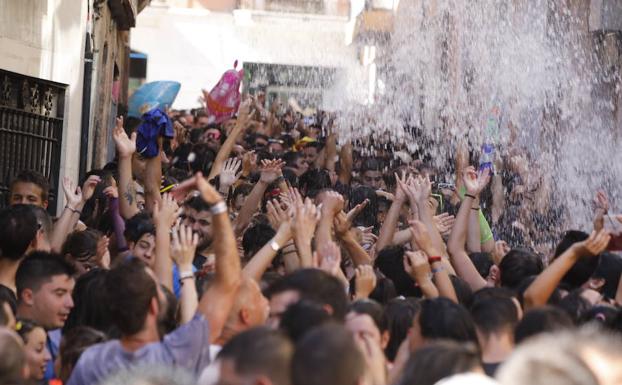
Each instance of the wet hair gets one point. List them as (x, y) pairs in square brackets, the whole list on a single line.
[(517, 265), (291, 157), (314, 285), (583, 268), (73, 344), (482, 262), (38, 268), (390, 262), (399, 315), (371, 164), (541, 320), (137, 226), (604, 316), (440, 318), (197, 203), (384, 291), (430, 364), (90, 299), (260, 351), (301, 317), (494, 315), (574, 305), (19, 228), (373, 309), (314, 181), (609, 268), (130, 291), (327, 355), (255, 238), (29, 176)]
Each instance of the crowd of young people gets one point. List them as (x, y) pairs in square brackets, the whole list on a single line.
[(267, 250)]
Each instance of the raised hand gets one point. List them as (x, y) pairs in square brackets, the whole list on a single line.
[(73, 195), (341, 224), (417, 189), (126, 146), (444, 223), (208, 192), (88, 187), (422, 238), (500, 250), (332, 203), (276, 215), (401, 188), (306, 217), (329, 256), (601, 208), (111, 192), (166, 213), (249, 162), (102, 256), (595, 244), (184, 245), (230, 172), (271, 170), (475, 182), (365, 281), (352, 214), (417, 266)]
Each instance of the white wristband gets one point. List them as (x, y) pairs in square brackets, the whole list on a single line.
[(218, 208), (186, 275), (274, 245)]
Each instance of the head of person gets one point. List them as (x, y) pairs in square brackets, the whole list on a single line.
[(255, 238), (81, 248), (37, 353), (372, 174), (212, 137), (369, 215), (440, 318), (440, 359), (45, 228), (328, 355), (541, 320), (295, 161), (14, 368), (276, 146), (140, 236), (19, 231), (89, 298), (310, 284), (44, 286), (30, 188), (399, 314), (517, 265), (390, 262), (259, 356), (494, 317), (583, 269), (72, 345), (607, 274), (313, 182), (301, 317), (365, 319), (250, 308), (240, 193), (311, 152), (134, 298), (198, 217)]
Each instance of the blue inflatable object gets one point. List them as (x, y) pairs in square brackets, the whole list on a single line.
[(160, 94)]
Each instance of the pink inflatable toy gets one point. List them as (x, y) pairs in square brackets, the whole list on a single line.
[(223, 100)]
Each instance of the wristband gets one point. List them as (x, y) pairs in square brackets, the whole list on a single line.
[(470, 196), (438, 269), (218, 208), (274, 245), (475, 208), (435, 258), (74, 210), (186, 275)]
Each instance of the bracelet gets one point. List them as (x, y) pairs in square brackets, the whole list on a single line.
[(434, 258), (274, 245), (218, 208), (74, 210), (475, 208), (470, 196), (438, 269), (186, 275)]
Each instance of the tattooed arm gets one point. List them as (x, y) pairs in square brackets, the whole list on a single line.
[(126, 147)]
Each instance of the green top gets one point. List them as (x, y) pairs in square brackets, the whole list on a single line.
[(484, 227)]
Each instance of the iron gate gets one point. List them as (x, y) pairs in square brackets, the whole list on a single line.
[(31, 130)]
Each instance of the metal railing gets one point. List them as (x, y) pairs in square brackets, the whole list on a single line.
[(31, 130)]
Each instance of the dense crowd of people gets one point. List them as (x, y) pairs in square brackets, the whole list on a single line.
[(266, 250)]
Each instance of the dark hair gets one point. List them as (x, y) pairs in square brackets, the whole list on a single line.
[(432, 363), (541, 320), (482, 262), (291, 157), (24, 327), (609, 268), (494, 315), (242, 189), (39, 267), (260, 351), (197, 203), (81, 245), (583, 268), (372, 309), (7, 295), (29, 176), (73, 344), (90, 299), (399, 315), (384, 291), (130, 291), (168, 323), (369, 215), (440, 318), (314, 181), (203, 158), (314, 285), (255, 238), (371, 164), (522, 287), (302, 316), (44, 221), (327, 355), (517, 265), (574, 304), (137, 226), (390, 262), (462, 289), (19, 228)]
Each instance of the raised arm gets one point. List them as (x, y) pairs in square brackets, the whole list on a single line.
[(417, 266), (183, 249), (164, 216), (343, 230), (387, 230), (345, 164), (540, 290), (216, 303), (304, 223), (126, 146), (474, 242), (456, 244), (332, 204), (225, 149)]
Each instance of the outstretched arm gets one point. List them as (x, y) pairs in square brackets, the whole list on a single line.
[(126, 146), (225, 149)]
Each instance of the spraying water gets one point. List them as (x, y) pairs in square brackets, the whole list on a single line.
[(451, 62)]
